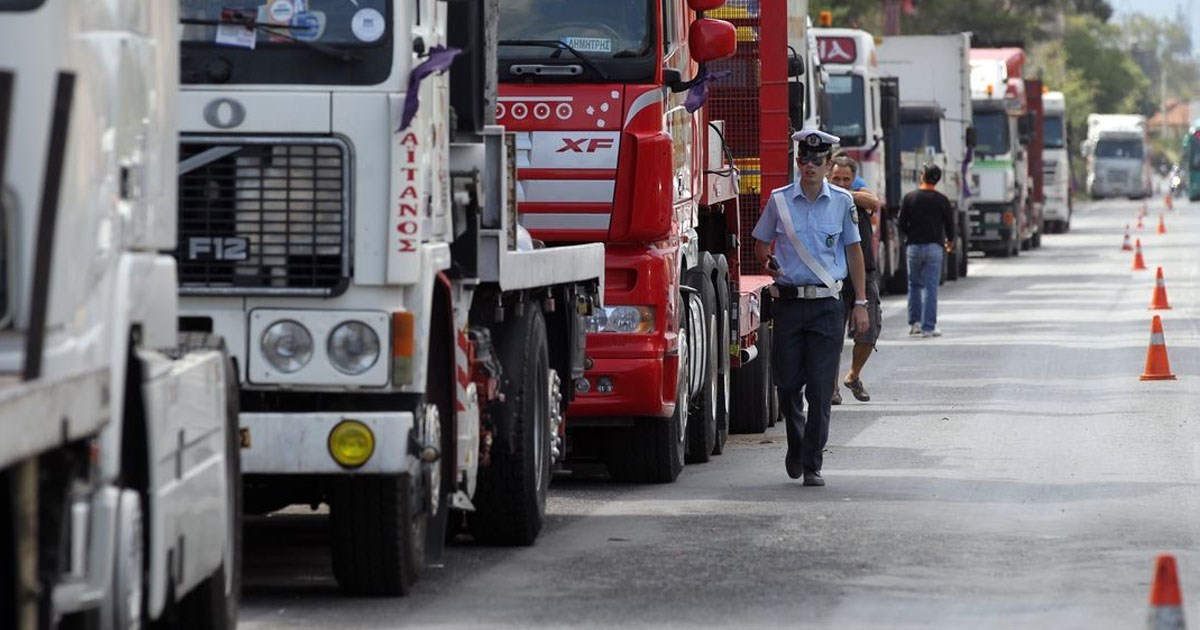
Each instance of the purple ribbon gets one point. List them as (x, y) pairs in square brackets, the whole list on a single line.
[(698, 93), (439, 60), (966, 186)]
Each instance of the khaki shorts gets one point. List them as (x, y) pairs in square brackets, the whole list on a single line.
[(874, 310)]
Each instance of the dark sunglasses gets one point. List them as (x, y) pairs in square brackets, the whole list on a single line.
[(816, 159)]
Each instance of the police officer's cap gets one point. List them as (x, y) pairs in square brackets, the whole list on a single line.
[(815, 141)]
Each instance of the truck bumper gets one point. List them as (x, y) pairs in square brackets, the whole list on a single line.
[(298, 443), (1056, 209), (637, 390)]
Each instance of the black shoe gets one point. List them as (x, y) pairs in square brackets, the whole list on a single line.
[(813, 478), (794, 469), (837, 397)]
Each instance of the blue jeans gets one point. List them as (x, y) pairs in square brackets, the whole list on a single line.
[(924, 274)]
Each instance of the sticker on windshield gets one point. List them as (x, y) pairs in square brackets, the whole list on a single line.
[(308, 27), (367, 25), (231, 31), (589, 44), (281, 11)]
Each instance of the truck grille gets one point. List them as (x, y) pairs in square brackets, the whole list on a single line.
[(263, 216)]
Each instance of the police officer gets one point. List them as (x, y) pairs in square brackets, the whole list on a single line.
[(814, 229)]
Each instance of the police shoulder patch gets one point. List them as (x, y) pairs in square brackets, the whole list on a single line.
[(854, 215)]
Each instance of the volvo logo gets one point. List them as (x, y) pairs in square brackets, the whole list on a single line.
[(224, 113)]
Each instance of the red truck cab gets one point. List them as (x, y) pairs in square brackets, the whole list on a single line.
[(610, 149)]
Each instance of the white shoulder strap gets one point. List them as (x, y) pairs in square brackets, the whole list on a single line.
[(785, 216)]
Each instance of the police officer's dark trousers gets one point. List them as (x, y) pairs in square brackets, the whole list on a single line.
[(807, 342)]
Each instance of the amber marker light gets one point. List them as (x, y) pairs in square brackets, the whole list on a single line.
[(403, 330)]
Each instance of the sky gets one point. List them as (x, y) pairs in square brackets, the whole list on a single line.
[(1162, 9)]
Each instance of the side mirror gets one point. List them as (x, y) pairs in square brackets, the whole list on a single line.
[(796, 104), (705, 5), (711, 40), (795, 64), (971, 137)]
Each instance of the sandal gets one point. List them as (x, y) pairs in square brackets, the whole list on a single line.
[(837, 397), (856, 388)]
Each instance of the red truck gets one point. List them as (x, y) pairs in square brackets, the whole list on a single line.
[(615, 145)]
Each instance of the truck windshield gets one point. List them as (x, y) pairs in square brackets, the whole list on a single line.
[(616, 37), (1119, 148), (19, 5), (304, 42), (991, 129), (847, 109), (1052, 133), (920, 135)]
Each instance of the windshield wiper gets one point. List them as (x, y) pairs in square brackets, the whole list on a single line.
[(557, 45), (278, 31)]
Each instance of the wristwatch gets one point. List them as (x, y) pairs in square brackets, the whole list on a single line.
[(860, 302)]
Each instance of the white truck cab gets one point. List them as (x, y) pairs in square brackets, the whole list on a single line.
[(119, 493), (1056, 164), (347, 220)]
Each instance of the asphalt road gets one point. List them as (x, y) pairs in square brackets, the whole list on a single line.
[(1012, 473)]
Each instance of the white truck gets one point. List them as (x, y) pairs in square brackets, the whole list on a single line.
[(347, 221), (1056, 164), (1118, 156), (935, 120), (119, 493)]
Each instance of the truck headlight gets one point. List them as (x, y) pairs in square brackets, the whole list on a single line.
[(287, 345), (622, 319), (353, 348)]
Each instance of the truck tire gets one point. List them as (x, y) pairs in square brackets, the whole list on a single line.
[(725, 307), (510, 500), (751, 410), (214, 603), (898, 283), (653, 449), (378, 534), (702, 413), (963, 250)]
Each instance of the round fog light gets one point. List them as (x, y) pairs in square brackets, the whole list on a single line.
[(351, 443), (582, 386), (604, 385), (353, 348), (287, 345)]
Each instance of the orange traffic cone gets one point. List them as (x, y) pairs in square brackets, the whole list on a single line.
[(1158, 301), (1126, 246), (1138, 263), (1166, 600), (1158, 368), (1162, 227)]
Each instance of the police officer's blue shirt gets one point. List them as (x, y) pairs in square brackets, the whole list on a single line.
[(826, 226)]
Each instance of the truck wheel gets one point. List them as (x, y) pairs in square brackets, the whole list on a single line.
[(510, 500), (653, 450), (961, 252), (1035, 241), (724, 308), (378, 534), (702, 415), (214, 603), (751, 409), (898, 283)]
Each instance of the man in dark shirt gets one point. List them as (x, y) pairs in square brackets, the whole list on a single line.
[(844, 174), (927, 220)]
